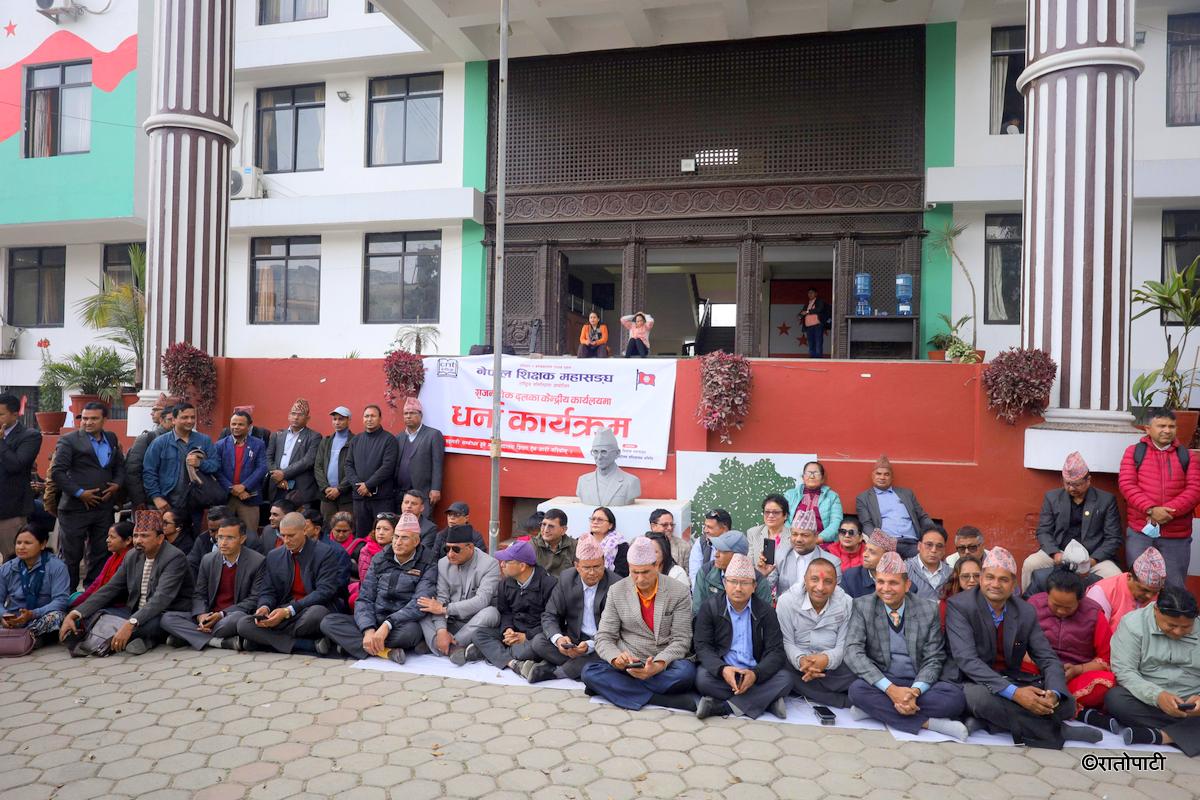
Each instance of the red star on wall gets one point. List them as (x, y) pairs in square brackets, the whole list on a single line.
[(784, 329), (10, 29)]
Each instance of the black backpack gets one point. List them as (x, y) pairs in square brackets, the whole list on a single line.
[(1139, 455)]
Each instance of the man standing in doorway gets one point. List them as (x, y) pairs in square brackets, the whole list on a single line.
[(813, 318), (422, 451)]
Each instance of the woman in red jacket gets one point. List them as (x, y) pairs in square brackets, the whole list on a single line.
[(119, 538), (1160, 494)]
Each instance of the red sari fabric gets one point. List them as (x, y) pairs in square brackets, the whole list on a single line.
[(110, 569)]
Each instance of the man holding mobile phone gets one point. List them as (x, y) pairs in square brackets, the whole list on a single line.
[(740, 650), (648, 620)]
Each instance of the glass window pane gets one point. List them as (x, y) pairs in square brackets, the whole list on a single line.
[(53, 256), (78, 73), (309, 94), (310, 138), (303, 290), (425, 83), (269, 300), (23, 297), (388, 87), (1180, 224), (44, 77), (270, 247), (311, 9), (384, 243), (53, 295), (305, 246), (25, 258), (75, 133), (1008, 39), (1003, 226), (421, 287), (387, 132), (424, 241), (273, 11), (274, 98), (423, 129), (383, 289), (275, 147), (1003, 284)]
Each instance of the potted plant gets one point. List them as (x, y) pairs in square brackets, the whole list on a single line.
[(97, 373), (191, 373), (962, 353), (416, 338), (120, 309), (939, 342), (1177, 302), (724, 393), (946, 240), (404, 373), (1018, 382), (50, 415)]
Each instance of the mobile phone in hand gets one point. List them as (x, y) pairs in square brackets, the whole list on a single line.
[(260, 617), (768, 551), (1186, 706), (635, 665)]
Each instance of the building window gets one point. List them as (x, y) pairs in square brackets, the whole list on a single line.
[(118, 264), (1002, 270), (1181, 245), (406, 120), (1007, 113), (286, 280), (291, 128), (271, 12), (58, 109), (403, 280), (36, 286), (1183, 69)]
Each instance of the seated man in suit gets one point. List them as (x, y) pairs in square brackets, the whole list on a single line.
[(893, 508), (711, 580), (740, 650), (467, 582), (860, 581), (814, 617), (644, 637), (895, 647), (1156, 656), (225, 584), (521, 600), (387, 620), (990, 630), (151, 580), (299, 585), (1077, 512), (928, 570), (572, 616)]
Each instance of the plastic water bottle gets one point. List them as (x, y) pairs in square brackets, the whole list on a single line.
[(862, 294), (904, 294)]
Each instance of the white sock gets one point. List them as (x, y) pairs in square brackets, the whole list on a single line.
[(948, 727), (857, 713)]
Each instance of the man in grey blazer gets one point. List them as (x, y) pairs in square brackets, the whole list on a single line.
[(467, 582), (421, 456), (894, 645), (224, 592), (154, 578), (644, 637), (89, 468), (291, 455), (1081, 512), (893, 509)]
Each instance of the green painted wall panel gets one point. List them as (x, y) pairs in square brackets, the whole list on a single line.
[(474, 266), (93, 185), (936, 273)]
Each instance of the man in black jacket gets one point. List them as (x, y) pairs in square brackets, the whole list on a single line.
[(163, 415), (572, 615), (151, 580), (739, 647), (386, 620), (299, 584), (89, 469), (337, 494), (521, 600), (224, 594), (1080, 512), (19, 447), (290, 458), (990, 631), (371, 471)]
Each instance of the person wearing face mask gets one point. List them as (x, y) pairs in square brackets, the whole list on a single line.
[(1161, 484)]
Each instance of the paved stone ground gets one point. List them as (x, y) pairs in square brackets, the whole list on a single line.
[(216, 725)]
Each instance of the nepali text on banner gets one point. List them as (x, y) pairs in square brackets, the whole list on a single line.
[(551, 408)]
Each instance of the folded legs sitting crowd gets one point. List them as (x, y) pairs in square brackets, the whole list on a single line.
[(839, 619)]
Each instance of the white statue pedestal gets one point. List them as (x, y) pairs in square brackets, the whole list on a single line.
[(632, 521)]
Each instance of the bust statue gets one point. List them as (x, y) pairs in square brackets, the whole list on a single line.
[(608, 485)]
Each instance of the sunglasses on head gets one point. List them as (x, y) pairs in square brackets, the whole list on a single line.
[(387, 515)]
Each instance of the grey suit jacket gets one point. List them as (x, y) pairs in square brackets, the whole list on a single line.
[(467, 589), (428, 455), (299, 468), (971, 635), (171, 585), (868, 646), (623, 629), (208, 579), (1099, 530), (75, 466), (866, 507)]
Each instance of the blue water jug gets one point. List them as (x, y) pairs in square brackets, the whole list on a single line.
[(904, 294), (862, 294)]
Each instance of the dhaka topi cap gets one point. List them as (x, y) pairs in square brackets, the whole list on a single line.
[(520, 550), (891, 564), (409, 522), (459, 534), (731, 542), (880, 539), (1149, 568), (301, 406), (605, 438), (806, 520), (588, 549), (150, 520), (642, 552), (1074, 468), (739, 568), (882, 462), (413, 404), (999, 558)]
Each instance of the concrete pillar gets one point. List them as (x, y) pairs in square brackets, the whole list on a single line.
[(188, 215), (1078, 85)]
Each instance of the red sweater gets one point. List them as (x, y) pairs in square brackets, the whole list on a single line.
[(1160, 482), (225, 596)]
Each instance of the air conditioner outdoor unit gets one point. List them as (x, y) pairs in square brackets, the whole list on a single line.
[(245, 183), (54, 9)]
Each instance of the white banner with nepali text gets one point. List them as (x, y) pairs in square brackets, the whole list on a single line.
[(551, 408)]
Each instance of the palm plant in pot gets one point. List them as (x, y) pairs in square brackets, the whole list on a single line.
[(1177, 301), (50, 415), (96, 373), (118, 308)]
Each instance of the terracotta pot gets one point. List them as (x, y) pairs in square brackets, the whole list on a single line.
[(982, 355), (50, 422), (78, 401), (936, 355)]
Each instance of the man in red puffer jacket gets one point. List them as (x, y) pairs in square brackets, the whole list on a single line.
[(1161, 491)]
